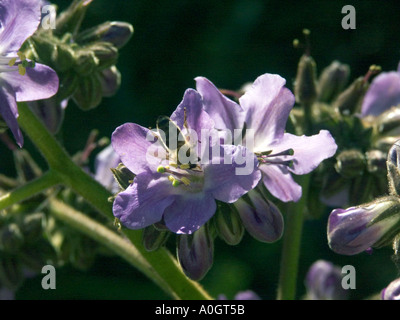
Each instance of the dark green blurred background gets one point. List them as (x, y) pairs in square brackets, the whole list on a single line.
[(229, 42)]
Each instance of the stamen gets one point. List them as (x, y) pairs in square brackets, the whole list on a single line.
[(12, 62), (21, 55), (21, 70), (161, 169)]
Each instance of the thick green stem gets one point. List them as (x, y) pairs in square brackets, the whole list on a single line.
[(291, 244), (49, 179), (163, 265)]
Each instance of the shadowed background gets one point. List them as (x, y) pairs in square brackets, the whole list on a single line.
[(231, 43)]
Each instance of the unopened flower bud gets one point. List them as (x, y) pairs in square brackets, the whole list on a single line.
[(356, 229), (261, 218), (110, 80), (350, 163), (228, 225), (123, 176), (332, 81), (349, 101), (393, 168), (324, 282), (11, 238), (376, 161), (88, 94), (388, 123), (153, 238), (116, 32), (70, 20), (83, 252), (32, 226), (196, 253), (305, 89), (105, 53), (86, 63), (392, 291)]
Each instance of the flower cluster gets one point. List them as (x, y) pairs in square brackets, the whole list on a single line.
[(221, 162)]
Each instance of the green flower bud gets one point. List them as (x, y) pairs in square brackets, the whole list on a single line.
[(105, 52), (116, 32), (228, 225), (32, 226), (83, 252), (332, 81), (153, 238), (305, 87), (86, 63), (123, 176), (350, 163), (70, 20), (349, 101), (88, 94), (11, 238), (63, 57)]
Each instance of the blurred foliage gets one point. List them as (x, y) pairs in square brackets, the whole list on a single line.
[(229, 42)]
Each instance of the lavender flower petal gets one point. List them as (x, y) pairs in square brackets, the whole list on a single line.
[(143, 203), (226, 113), (280, 183), (19, 19), (383, 93)]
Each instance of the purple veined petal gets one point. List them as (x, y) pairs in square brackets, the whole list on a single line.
[(40, 82), (19, 19), (267, 105), (383, 93), (9, 111), (226, 113), (309, 152), (189, 212), (196, 118), (137, 148), (350, 232), (143, 203), (228, 179), (279, 182)]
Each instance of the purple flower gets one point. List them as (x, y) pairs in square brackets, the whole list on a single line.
[(324, 282), (182, 196), (357, 229), (19, 19), (383, 93), (264, 109), (392, 291)]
